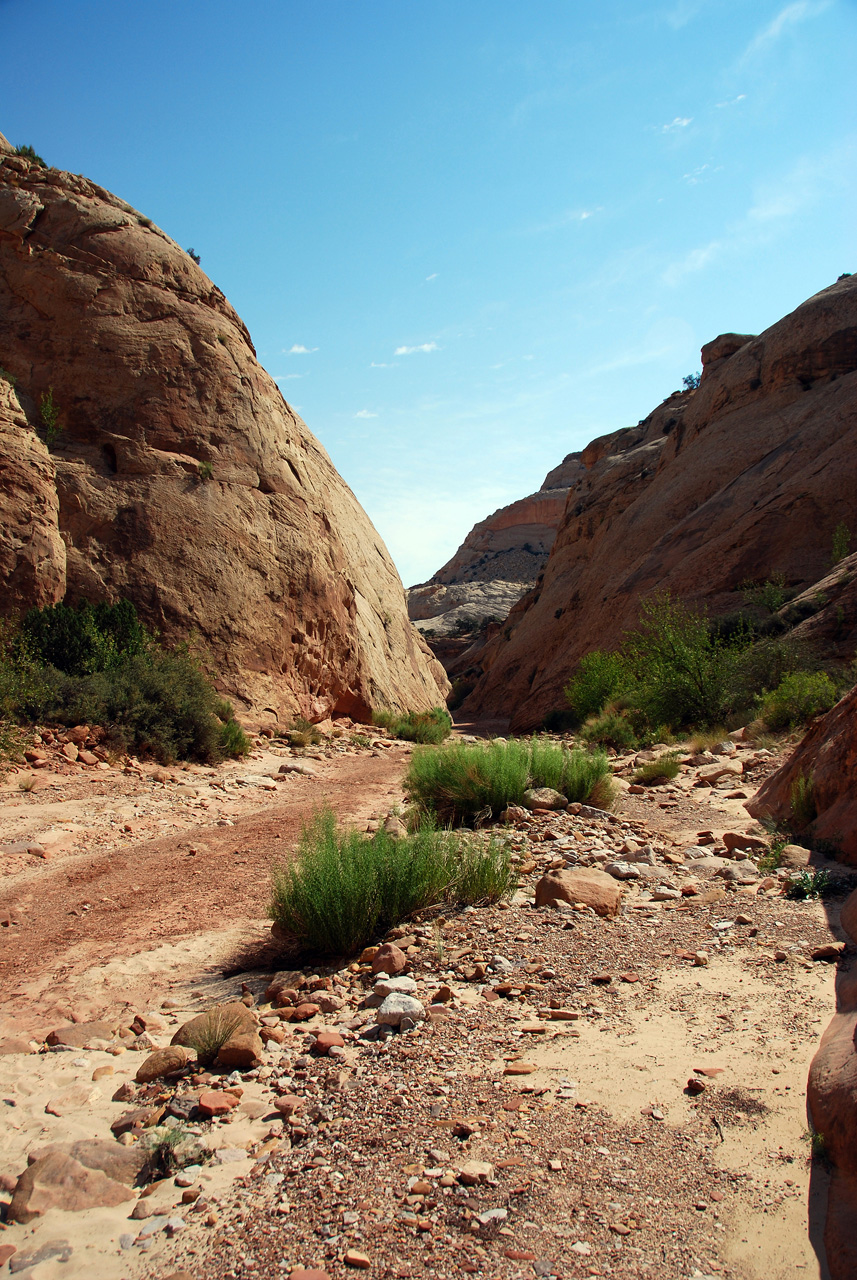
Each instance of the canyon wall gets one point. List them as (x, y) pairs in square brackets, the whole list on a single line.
[(180, 477), (742, 479)]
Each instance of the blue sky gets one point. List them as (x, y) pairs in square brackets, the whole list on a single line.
[(467, 238)]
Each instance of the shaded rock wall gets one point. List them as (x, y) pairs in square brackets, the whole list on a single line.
[(744, 478), (271, 561)]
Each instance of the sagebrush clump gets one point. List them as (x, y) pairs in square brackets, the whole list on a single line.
[(415, 726)]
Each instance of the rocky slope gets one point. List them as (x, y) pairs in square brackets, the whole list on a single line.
[(183, 479), (499, 560), (828, 756), (745, 478)]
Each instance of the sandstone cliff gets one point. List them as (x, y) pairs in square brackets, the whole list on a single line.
[(744, 478), (499, 560), (183, 480)]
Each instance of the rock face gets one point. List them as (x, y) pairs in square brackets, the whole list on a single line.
[(499, 560), (183, 479), (744, 478), (32, 553), (827, 754)]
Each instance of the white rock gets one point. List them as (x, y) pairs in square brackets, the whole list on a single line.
[(622, 871), (398, 1006), (385, 986)]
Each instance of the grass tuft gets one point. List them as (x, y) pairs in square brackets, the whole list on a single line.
[(415, 726), (462, 781), (664, 769), (346, 887)]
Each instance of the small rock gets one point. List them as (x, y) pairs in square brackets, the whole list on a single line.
[(164, 1062), (353, 1258), (389, 959), (474, 1172), (397, 1007), (830, 951), (217, 1102), (544, 798)]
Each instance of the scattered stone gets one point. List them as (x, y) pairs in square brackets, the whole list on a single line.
[(389, 959), (474, 1172), (58, 1181), (164, 1062), (544, 798), (695, 1086), (218, 1102), (58, 1250), (396, 1008), (829, 951), (327, 1040), (353, 1258), (583, 885), (518, 1068), (78, 1035)]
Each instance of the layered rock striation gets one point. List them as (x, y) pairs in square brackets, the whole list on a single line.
[(745, 478), (181, 479)]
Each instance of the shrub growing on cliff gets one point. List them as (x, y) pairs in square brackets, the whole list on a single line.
[(29, 154), (798, 698), (416, 726), (345, 888), (468, 782)]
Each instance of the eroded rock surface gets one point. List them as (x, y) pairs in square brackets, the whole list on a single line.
[(184, 481), (746, 477), (828, 755)]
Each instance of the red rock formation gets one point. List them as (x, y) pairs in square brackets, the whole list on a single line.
[(185, 482), (744, 478), (32, 553), (827, 754)]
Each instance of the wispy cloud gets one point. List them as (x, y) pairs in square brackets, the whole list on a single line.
[(776, 205), (300, 350), (433, 276), (701, 174), (565, 219), (680, 122), (790, 16), (409, 351), (287, 377), (731, 102), (365, 413)]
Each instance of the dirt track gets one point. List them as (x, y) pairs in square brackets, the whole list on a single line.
[(65, 915)]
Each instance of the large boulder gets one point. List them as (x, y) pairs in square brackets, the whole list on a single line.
[(59, 1181), (184, 481), (828, 755), (589, 886), (745, 477), (832, 1099)]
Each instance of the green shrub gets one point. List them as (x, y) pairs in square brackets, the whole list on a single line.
[(663, 769), (770, 594), (416, 726), (98, 665), (612, 729), (29, 154), (841, 543), (234, 742), (599, 677), (809, 884), (798, 698), (346, 887), (50, 412), (6, 376), (467, 782), (802, 800), (206, 470)]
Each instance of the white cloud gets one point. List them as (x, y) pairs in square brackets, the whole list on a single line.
[(300, 350), (565, 219), (433, 276), (788, 17), (731, 102), (409, 351), (364, 413), (680, 122), (288, 377)]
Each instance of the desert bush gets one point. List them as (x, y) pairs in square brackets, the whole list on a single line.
[(809, 884), (415, 726), (463, 782), (802, 801), (663, 769), (345, 887), (98, 665), (599, 677), (612, 729), (461, 689), (841, 543), (770, 594), (705, 739), (798, 698), (30, 154)]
